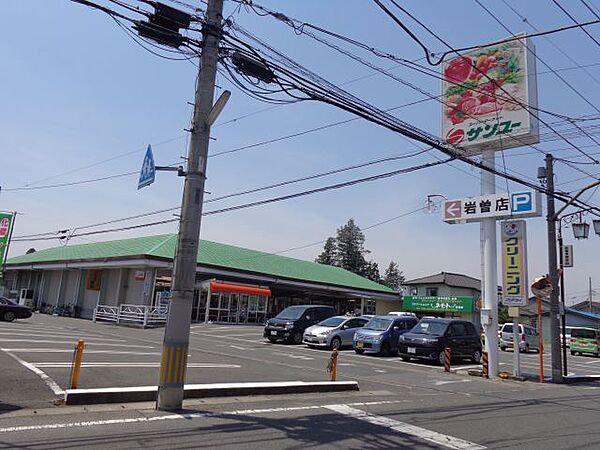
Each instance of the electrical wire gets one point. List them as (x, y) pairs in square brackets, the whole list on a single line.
[(256, 203)]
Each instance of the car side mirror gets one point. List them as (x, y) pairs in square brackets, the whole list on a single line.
[(396, 328), (307, 317), (345, 327)]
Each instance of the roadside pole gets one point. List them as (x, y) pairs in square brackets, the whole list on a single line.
[(540, 337), (490, 269), (553, 274), (563, 318), (177, 330), (516, 342)]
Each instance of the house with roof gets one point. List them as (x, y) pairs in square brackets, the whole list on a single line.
[(129, 277), (445, 294)]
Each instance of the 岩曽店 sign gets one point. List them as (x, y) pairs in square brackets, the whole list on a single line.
[(498, 206), (450, 304)]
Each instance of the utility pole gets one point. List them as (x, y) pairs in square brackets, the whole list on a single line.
[(177, 331), (563, 311), (553, 274), (590, 292)]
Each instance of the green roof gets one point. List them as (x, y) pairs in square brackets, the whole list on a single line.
[(209, 253)]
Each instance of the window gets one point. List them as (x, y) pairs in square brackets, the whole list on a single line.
[(414, 291), (355, 323), (458, 329), (470, 328), (431, 292)]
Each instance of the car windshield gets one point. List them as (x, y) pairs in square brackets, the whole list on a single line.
[(332, 322), (583, 333), (291, 313), (378, 324), (6, 301), (430, 327)]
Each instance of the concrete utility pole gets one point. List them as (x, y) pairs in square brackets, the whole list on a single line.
[(177, 331), (553, 269), (490, 267)]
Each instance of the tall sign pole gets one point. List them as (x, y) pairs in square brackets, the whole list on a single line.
[(553, 274), (489, 282), (177, 331)]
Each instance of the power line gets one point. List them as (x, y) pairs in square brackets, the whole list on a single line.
[(452, 50), (255, 203), (575, 20)]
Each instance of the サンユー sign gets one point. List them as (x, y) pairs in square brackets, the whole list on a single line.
[(486, 97)]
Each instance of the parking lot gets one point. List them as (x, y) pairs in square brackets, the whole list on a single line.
[(37, 353)]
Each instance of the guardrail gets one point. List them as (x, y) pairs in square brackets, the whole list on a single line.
[(135, 314)]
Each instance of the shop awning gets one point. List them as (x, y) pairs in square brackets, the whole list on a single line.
[(216, 286)]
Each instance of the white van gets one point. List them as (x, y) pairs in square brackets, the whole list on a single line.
[(528, 338)]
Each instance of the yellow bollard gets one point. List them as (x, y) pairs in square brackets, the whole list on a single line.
[(76, 366), (332, 366)]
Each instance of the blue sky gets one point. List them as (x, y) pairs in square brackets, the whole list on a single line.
[(76, 90)]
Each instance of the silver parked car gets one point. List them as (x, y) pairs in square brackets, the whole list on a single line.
[(335, 332), (528, 338)]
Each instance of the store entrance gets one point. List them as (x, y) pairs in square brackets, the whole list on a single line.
[(231, 303)]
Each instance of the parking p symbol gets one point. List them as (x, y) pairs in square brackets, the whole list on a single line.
[(521, 202)]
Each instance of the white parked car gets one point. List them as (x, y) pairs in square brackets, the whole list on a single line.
[(402, 314)]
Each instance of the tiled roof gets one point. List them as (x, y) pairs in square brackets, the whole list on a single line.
[(449, 279), (209, 253)]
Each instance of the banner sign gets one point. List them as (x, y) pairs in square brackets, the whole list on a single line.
[(498, 206), (486, 97), (6, 223), (514, 263), (450, 304)]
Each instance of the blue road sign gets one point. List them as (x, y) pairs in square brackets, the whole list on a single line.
[(522, 201), (148, 171)]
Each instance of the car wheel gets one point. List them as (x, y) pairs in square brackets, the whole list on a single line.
[(526, 348), (441, 358), (503, 348), (9, 316), (336, 343), (297, 338), (360, 352), (476, 358), (385, 349), (572, 353)]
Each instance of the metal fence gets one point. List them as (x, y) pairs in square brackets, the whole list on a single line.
[(146, 316)]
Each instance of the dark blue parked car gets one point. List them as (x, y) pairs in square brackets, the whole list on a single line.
[(380, 334)]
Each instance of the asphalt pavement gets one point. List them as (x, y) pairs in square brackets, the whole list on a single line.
[(400, 405)]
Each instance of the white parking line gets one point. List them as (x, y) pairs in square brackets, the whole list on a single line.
[(63, 336), (145, 419), (34, 341), (87, 352), (67, 365), (48, 380), (404, 428)]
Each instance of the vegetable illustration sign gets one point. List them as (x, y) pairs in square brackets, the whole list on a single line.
[(487, 95)]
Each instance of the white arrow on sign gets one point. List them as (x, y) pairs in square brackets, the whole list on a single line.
[(453, 209)]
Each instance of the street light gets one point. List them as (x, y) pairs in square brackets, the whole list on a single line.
[(596, 223), (581, 230)]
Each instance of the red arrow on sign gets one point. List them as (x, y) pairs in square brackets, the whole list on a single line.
[(453, 209)]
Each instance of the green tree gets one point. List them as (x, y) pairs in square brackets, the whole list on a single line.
[(393, 277), (329, 254), (371, 271), (350, 248)]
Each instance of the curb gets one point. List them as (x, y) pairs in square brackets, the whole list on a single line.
[(149, 393), (578, 378)]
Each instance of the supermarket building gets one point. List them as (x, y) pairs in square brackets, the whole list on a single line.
[(130, 279)]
